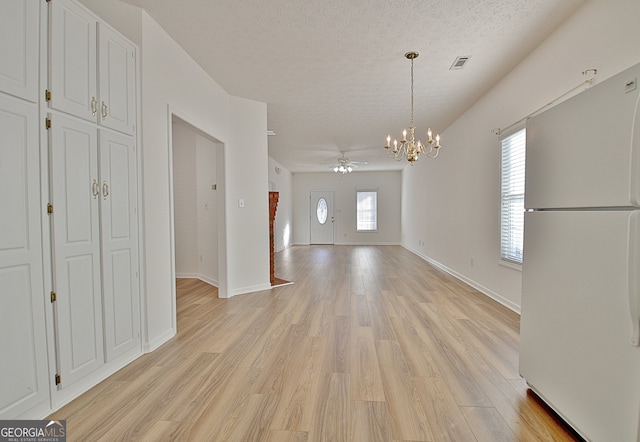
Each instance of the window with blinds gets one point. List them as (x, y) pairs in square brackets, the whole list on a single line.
[(512, 197), (367, 211)]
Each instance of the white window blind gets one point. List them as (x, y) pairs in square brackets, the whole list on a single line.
[(512, 196), (367, 211)]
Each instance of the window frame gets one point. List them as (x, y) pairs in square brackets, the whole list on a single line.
[(513, 144), (374, 209)]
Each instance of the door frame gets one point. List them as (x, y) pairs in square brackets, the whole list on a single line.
[(221, 209)]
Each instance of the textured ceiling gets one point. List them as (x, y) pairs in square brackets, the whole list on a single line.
[(333, 72)]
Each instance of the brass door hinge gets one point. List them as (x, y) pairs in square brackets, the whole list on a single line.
[(47, 95), (53, 296), (49, 208), (58, 378), (47, 123)]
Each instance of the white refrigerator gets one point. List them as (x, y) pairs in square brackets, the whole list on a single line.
[(580, 323)]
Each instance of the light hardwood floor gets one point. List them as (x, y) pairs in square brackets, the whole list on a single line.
[(369, 344)]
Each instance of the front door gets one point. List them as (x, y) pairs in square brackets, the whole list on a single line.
[(321, 217)]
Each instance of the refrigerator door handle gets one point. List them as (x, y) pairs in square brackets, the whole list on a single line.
[(634, 156), (634, 276)]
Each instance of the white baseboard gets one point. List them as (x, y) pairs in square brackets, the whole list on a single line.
[(62, 397), (354, 244), (482, 289), (158, 341), (203, 278), (250, 289), (367, 243)]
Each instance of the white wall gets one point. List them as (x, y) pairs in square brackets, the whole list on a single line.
[(388, 185), (247, 179), (207, 211), (281, 180), (452, 203), (185, 202)]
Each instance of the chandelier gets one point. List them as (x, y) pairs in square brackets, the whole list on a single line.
[(410, 148)]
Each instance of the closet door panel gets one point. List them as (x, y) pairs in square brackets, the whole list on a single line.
[(119, 243), (76, 244), (19, 31), (117, 81), (24, 383), (73, 82)]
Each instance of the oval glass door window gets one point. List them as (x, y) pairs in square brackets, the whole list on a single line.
[(321, 211)]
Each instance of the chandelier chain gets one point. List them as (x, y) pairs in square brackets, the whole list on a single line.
[(412, 125)]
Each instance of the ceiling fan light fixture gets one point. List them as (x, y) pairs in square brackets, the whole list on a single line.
[(345, 165), (343, 169)]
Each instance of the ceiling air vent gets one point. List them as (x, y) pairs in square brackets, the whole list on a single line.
[(459, 63)]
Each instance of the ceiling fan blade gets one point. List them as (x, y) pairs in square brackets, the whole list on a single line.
[(343, 160)]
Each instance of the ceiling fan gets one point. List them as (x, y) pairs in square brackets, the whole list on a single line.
[(345, 165)]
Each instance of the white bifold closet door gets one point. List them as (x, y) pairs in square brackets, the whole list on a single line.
[(76, 247), (23, 364), (119, 242), (95, 246)]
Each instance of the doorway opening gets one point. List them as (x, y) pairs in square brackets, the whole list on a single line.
[(197, 206)]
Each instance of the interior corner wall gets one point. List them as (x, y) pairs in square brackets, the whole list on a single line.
[(452, 204), (344, 186), (281, 179)]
